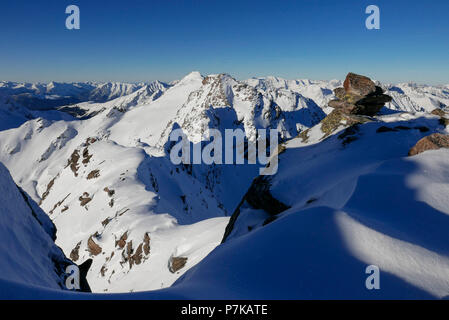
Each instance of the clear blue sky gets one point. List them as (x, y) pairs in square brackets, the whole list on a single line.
[(140, 40)]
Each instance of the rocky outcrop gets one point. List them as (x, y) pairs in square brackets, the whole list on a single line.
[(433, 142), (438, 112), (47, 192), (136, 258), (129, 254), (258, 196), (176, 263), (359, 96), (358, 85), (110, 192), (444, 121), (94, 248), (74, 254), (146, 244), (73, 162), (84, 269), (356, 102)]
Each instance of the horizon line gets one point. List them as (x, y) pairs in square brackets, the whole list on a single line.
[(211, 74)]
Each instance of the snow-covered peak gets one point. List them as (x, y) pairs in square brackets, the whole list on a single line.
[(191, 77)]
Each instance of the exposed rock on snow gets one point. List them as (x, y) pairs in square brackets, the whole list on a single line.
[(74, 254), (432, 142), (334, 122), (94, 248), (357, 85), (439, 112), (259, 198)]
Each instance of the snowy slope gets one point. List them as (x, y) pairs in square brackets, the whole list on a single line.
[(98, 191), (28, 254), (350, 205), (144, 95)]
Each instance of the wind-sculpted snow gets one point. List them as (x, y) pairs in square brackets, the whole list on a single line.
[(286, 111), (417, 98)]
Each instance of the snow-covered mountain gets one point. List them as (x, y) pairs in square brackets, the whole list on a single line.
[(144, 95), (109, 185), (100, 168), (27, 250)]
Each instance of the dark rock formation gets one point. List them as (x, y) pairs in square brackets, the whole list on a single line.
[(176, 263), (73, 162), (359, 96), (57, 256), (444, 121), (74, 254), (93, 174), (85, 199), (338, 118), (350, 134), (84, 269), (136, 258), (358, 85), (433, 142), (146, 244), (439, 112), (383, 129), (258, 196), (94, 248), (110, 192), (122, 241)]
